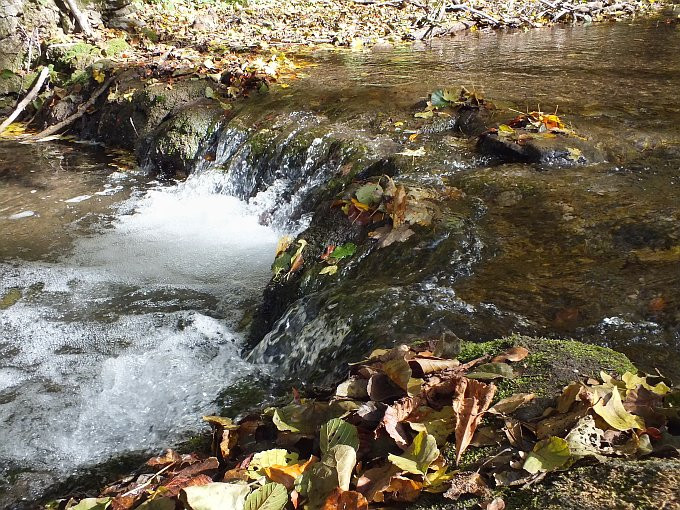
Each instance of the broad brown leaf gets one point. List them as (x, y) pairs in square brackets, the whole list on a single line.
[(512, 354), (395, 415), (375, 481), (468, 482), (345, 500), (472, 399)]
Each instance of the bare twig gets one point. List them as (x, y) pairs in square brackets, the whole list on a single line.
[(79, 113), (29, 97)]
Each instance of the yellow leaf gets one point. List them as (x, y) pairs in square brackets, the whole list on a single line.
[(329, 270), (616, 415), (413, 137)]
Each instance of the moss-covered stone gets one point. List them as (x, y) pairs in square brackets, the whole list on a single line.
[(116, 46), (73, 57)]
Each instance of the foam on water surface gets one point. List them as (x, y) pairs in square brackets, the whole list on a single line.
[(124, 343)]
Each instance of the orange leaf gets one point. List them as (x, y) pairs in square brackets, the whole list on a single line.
[(512, 354), (345, 500), (404, 489), (286, 475)]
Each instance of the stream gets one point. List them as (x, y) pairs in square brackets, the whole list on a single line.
[(122, 297)]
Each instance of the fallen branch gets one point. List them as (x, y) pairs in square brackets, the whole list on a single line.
[(29, 97), (458, 7), (83, 23), (79, 113)]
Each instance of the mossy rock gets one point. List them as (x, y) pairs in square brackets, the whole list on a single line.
[(615, 484), (116, 46), (549, 367), (74, 57)]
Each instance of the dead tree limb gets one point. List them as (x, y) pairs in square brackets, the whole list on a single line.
[(29, 97), (79, 112), (81, 19)]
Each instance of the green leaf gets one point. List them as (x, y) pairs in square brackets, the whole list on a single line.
[(342, 458), (346, 250), (417, 459), (214, 496), (281, 263), (305, 417), (271, 496), (489, 371), (158, 504), (616, 415), (369, 194), (316, 483), (442, 98), (338, 431), (548, 455), (440, 424), (92, 504)]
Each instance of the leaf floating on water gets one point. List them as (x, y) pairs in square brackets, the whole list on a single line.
[(548, 455), (369, 194), (414, 153), (271, 496), (344, 251), (329, 270)]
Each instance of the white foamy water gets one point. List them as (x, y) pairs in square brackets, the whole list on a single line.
[(124, 343)]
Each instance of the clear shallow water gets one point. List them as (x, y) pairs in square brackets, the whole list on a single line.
[(124, 335)]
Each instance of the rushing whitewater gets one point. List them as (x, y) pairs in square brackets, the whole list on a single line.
[(123, 343)]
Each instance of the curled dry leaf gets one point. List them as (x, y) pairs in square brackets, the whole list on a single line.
[(472, 400), (169, 457), (395, 415), (512, 354), (468, 482), (510, 404), (345, 500)]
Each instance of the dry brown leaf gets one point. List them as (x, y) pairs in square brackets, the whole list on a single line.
[(568, 397), (180, 482), (472, 399), (404, 489), (512, 354), (345, 500), (397, 207), (423, 366), (395, 415), (468, 482), (510, 404), (374, 481), (169, 457), (560, 424)]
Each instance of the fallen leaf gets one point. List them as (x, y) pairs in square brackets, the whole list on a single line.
[(338, 431), (472, 399), (286, 475), (510, 404), (271, 496), (548, 455), (345, 500), (413, 153), (490, 371), (397, 413), (215, 496), (329, 270), (467, 482), (512, 354), (616, 415), (418, 457)]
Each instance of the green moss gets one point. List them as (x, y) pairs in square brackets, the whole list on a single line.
[(80, 77), (115, 47)]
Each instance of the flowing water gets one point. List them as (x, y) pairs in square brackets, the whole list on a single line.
[(121, 297)]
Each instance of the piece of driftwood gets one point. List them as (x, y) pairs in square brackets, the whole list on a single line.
[(79, 112), (29, 97), (81, 19)]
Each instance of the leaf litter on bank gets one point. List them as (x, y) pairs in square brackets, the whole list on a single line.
[(383, 437)]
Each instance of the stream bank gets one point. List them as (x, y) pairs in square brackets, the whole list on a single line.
[(560, 248)]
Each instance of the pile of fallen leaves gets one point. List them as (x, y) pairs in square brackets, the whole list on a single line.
[(397, 208), (398, 427), (441, 99)]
